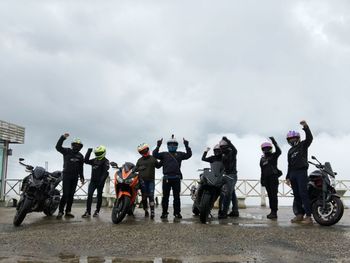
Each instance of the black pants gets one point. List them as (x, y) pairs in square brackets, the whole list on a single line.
[(92, 187), (271, 185), (299, 181), (169, 184), (69, 185)]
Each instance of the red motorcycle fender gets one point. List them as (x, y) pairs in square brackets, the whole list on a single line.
[(121, 193)]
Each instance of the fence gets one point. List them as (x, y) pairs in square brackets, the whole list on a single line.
[(245, 188)]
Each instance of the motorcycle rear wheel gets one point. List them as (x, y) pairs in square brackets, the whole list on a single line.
[(22, 211), (204, 207), (120, 209), (331, 215)]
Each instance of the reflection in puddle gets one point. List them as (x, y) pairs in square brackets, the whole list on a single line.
[(84, 259)]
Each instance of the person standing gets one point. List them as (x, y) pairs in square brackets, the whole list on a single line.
[(147, 176), (73, 162), (171, 161), (270, 174), (99, 174), (229, 159), (297, 173)]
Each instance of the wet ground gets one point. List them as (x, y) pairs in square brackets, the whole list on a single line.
[(249, 238)]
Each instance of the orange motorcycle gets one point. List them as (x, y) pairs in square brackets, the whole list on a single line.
[(127, 184)]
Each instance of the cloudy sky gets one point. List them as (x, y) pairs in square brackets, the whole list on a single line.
[(120, 73)]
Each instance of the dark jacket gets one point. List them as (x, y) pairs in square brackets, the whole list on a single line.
[(216, 164), (73, 162), (172, 162), (150, 163), (99, 168), (297, 155), (229, 159), (268, 164)]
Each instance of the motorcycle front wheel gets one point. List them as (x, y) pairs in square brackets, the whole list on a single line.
[(332, 213), (204, 207), (51, 209), (120, 209), (22, 211)]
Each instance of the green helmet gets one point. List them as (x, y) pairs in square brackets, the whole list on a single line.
[(100, 152)]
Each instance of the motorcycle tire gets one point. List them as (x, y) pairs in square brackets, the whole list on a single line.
[(49, 211), (120, 209), (22, 211), (335, 211), (204, 208)]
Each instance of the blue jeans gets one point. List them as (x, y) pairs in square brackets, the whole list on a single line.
[(147, 190), (227, 193), (299, 180)]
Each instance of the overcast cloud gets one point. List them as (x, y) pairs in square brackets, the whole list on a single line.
[(120, 73)]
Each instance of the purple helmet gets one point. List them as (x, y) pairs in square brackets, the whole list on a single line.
[(266, 145), (293, 134)]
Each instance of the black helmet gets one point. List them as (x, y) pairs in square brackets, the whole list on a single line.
[(217, 150), (39, 172), (224, 146), (172, 144)]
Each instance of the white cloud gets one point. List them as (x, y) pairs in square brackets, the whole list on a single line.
[(122, 73)]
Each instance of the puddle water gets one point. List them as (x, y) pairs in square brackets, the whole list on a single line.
[(84, 259)]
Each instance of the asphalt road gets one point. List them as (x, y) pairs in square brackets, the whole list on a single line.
[(249, 238)]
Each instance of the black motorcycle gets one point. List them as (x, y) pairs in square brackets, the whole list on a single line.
[(39, 193), (208, 191), (327, 208)]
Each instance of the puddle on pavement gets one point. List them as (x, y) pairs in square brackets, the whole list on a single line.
[(84, 259)]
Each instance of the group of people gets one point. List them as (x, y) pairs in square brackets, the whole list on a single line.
[(225, 155)]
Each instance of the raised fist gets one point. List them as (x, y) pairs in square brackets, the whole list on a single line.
[(159, 142)]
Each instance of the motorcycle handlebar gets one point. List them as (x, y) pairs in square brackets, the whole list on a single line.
[(319, 166)]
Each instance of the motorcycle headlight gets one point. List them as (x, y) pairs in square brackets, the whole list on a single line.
[(129, 181), (119, 180)]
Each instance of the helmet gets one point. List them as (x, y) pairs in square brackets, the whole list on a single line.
[(39, 172), (100, 152), (77, 145), (266, 147), (143, 149), (217, 150), (172, 144), (224, 146), (293, 138)]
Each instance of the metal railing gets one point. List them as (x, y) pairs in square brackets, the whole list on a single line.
[(245, 188)]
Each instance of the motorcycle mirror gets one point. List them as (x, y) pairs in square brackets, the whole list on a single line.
[(113, 164), (313, 157), (21, 159)]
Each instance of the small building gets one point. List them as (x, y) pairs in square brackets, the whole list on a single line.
[(9, 133)]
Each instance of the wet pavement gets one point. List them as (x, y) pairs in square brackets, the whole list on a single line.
[(249, 238)]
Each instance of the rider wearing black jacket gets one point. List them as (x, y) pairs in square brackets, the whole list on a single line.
[(297, 173), (73, 162), (229, 159), (270, 174), (99, 174), (147, 176), (171, 161)]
